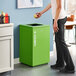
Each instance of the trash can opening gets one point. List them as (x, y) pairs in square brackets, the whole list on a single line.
[(35, 24)]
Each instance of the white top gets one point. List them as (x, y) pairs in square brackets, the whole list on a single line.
[(54, 6), (6, 25)]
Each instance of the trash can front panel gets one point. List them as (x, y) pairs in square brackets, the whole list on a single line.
[(41, 45)]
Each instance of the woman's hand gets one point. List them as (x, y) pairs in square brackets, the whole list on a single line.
[(39, 14), (55, 26)]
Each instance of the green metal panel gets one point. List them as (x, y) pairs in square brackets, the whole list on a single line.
[(34, 44), (26, 45), (41, 45)]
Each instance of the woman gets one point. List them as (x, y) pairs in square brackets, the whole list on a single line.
[(59, 19)]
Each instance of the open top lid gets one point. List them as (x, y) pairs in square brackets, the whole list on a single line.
[(34, 25)]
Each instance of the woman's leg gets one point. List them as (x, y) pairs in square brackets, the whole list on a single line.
[(64, 52), (60, 59)]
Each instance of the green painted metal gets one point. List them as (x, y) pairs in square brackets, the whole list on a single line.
[(34, 44)]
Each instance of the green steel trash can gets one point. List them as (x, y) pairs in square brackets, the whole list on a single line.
[(34, 44)]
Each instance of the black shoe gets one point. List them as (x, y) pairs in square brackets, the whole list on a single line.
[(64, 70), (56, 67)]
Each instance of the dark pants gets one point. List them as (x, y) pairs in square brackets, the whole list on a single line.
[(63, 54)]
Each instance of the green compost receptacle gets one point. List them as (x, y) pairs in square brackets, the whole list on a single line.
[(34, 44)]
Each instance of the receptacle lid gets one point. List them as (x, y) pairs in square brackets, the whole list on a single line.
[(34, 25)]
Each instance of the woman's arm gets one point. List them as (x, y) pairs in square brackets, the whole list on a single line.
[(46, 9), (43, 11), (58, 9)]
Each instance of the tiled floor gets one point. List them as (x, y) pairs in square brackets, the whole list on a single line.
[(43, 70)]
